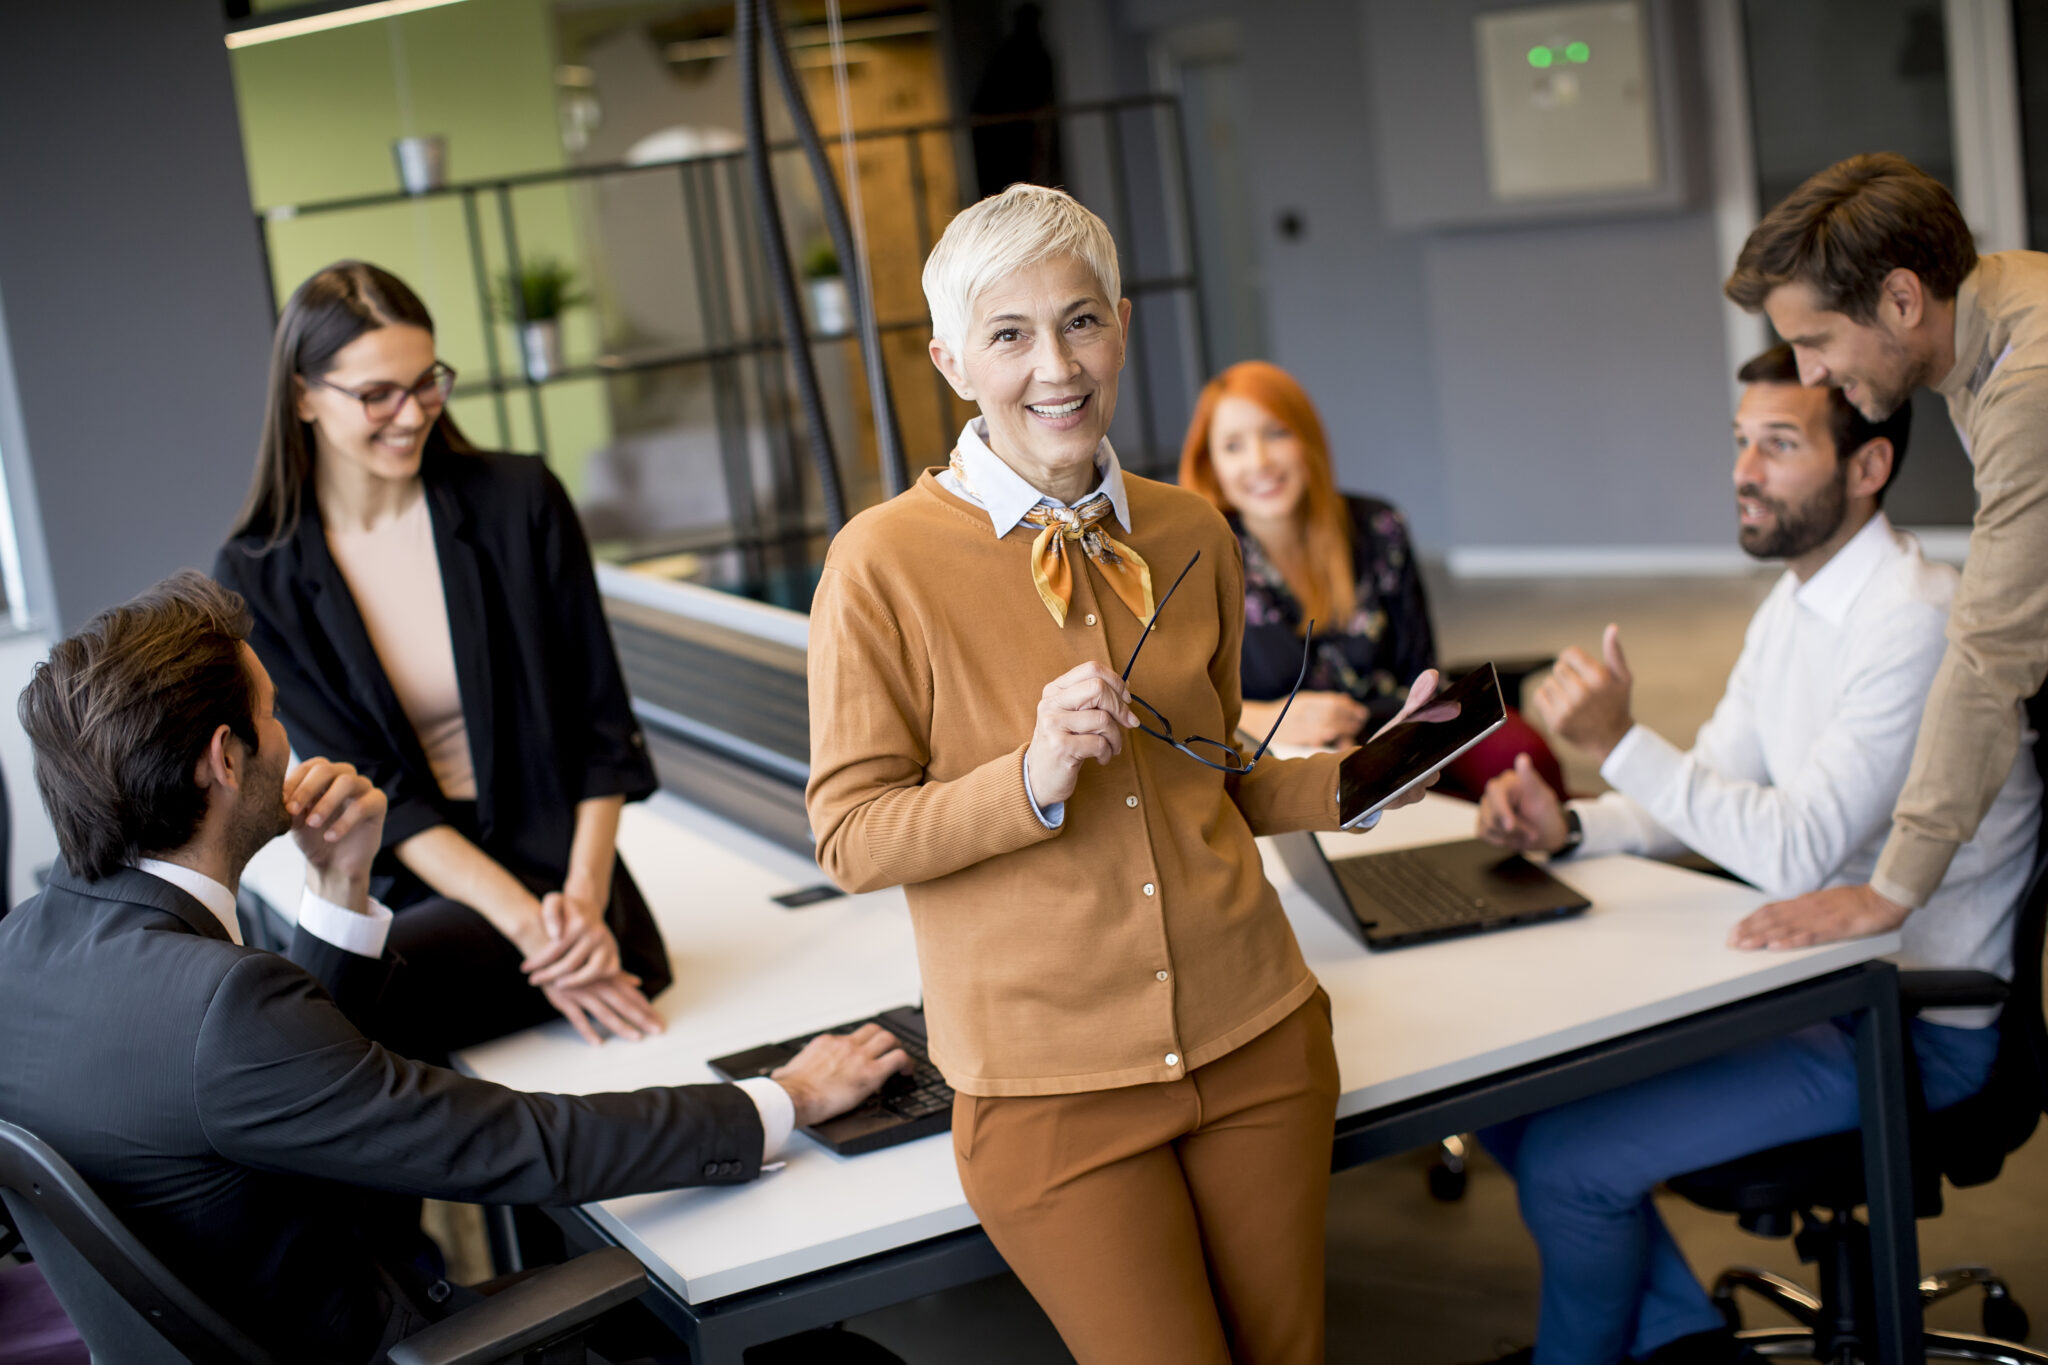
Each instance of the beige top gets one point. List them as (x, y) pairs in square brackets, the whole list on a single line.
[(394, 575), (1138, 938), (1998, 626)]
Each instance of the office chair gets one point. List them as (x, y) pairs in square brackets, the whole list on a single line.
[(130, 1308), (1967, 1143)]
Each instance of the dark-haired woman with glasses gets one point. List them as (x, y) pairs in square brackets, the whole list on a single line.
[(1145, 1078), (430, 614)]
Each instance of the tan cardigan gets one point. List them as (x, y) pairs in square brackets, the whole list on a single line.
[(1998, 624), (1138, 940)]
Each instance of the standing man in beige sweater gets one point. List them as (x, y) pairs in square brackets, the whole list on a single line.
[(1869, 271)]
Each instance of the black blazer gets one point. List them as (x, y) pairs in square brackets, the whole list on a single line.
[(231, 1113), (547, 711)]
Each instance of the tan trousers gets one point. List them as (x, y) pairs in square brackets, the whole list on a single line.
[(1178, 1223)]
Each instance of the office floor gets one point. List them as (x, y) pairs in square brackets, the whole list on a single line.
[(1416, 1282)]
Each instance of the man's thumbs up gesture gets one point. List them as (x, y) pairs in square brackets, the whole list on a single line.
[(1587, 701)]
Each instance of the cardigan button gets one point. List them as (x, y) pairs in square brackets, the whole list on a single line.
[(1130, 800), (1091, 618), (1160, 975), (1173, 1059), (1149, 888)]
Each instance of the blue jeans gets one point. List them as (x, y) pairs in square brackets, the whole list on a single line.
[(1614, 1282)]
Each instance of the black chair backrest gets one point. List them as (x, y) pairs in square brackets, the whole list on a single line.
[(1971, 1140), (2029, 1030), (6, 850), (126, 1305)]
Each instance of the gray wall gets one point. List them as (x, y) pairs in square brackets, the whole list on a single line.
[(1513, 386), (135, 310)]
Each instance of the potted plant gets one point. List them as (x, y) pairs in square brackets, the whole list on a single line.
[(831, 306), (534, 299)]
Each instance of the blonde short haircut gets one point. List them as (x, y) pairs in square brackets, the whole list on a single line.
[(1005, 233)]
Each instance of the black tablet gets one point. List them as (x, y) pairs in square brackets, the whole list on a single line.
[(1409, 752)]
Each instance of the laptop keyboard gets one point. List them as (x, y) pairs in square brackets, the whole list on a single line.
[(1408, 885)]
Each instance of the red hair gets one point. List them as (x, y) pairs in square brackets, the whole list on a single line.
[(1318, 566)]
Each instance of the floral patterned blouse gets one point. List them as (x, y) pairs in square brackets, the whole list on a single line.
[(1374, 655)]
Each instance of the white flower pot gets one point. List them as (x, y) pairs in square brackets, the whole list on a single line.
[(540, 344), (422, 163), (831, 305)]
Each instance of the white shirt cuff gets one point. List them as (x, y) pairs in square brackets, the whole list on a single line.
[(1053, 816), (362, 934), (1618, 757), (1643, 767), (778, 1113), (1604, 826)]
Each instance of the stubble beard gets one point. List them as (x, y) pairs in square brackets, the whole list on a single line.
[(1797, 530)]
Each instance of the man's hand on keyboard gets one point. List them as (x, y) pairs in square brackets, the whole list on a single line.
[(836, 1071)]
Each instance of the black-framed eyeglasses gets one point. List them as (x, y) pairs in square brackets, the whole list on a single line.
[(382, 402), (1233, 761)]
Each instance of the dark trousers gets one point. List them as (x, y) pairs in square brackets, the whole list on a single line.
[(459, 984)]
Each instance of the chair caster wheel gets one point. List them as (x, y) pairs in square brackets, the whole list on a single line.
[(1447, 1183), (2005, 1319)]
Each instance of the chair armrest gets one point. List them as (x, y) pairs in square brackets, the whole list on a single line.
[(535, 1310), (1949, 989)]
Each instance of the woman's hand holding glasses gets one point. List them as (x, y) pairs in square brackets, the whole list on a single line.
[(1082, 715)]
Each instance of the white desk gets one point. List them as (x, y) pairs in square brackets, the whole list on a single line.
[(1430, 1040), (1412, 1027), (1650, 950)]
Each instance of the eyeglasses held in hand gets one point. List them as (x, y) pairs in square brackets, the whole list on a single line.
[(1233, 760), (382, 402)]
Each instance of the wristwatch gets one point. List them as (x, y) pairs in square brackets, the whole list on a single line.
[(1574, 834)]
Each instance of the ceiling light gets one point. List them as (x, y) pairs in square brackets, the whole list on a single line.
[(269, 31)]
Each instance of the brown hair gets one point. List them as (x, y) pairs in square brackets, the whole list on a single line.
[(120, 714), (327, 312), (1847, 228), (1850, 429), (1320, 573)]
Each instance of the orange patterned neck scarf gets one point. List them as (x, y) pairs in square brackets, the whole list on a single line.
[(1052, 572)]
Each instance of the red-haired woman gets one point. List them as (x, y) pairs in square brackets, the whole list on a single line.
[(1256, 449)]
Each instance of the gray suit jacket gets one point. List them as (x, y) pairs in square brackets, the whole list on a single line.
[(222, 1101)]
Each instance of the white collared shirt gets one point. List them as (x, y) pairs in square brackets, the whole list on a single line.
[(1791, 784), (366, 934), (363, 934), (1008, 498)]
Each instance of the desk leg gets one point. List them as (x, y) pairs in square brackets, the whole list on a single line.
[(1888, 1171)]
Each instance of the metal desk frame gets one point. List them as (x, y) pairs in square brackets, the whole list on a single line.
[(1867, 995)]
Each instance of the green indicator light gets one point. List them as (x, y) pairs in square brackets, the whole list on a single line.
[(1540, 57), (1577, 52)]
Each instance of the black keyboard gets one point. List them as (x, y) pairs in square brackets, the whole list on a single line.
[(909, 1105), (918, 1092), (1412, 888)]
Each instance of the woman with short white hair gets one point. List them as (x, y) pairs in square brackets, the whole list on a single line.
[(1146, 1086)]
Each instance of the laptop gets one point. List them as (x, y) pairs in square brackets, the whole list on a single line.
[(1405, 896), (909, 1105)]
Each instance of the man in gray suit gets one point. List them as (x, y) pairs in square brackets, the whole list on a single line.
[(222, 1099)]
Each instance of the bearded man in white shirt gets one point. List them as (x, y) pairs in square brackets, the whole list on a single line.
[(1790, 786)]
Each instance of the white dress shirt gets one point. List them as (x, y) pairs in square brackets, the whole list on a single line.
[(365, 934), (1008, 498), (1791, 784), (344, 928)]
